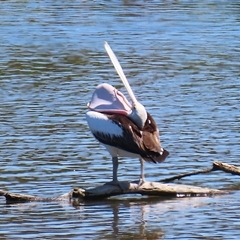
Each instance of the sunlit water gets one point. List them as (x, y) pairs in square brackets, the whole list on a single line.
[(182, 61)]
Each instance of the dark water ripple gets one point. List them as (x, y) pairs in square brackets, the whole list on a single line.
[(182, 60)]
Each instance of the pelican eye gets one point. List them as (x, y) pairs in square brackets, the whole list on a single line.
[(149, 121), (130, 127)]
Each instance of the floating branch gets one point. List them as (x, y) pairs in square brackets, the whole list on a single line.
[(20, 198), (171, 179), (161, 190), (79, 195), (148, 188), (226, 168), (215, 167)]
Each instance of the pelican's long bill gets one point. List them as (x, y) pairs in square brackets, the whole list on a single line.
[(120, 72), (139, 113)]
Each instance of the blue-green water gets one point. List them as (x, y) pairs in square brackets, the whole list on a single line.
[(182, 61)]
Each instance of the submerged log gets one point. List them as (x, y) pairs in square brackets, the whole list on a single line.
[(148, 188), (15, 197), (22, 198), (171, 179), (226, 168), (160, 190), (215, 167)]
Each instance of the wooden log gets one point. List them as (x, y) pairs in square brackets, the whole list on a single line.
[(171, 179), (226, 168), (104, 191), (215, 167), (161, 190), (149, 188), (18, 198)]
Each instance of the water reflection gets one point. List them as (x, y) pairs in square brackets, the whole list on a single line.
[(131, 218), (127, 218), (139, 230)]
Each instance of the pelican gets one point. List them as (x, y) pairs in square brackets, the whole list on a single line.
[(125, 129)]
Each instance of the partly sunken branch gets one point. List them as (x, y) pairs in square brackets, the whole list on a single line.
[(161, 190), (149, 188), (215, 167)]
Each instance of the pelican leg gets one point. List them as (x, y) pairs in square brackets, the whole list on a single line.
[(115, 168), (142, 177), (122, 185), (114, 176)]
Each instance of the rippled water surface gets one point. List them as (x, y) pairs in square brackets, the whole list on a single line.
[(182, 59)]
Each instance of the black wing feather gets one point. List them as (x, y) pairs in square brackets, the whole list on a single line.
[(144, 142)]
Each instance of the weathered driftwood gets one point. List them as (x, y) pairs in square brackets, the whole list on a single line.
[(171, 179), (215, 167), (149, 188), (226, 168), (161, 190), (15, 197), (21, 198)]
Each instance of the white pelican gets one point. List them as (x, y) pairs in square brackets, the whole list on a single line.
[(125, 129)]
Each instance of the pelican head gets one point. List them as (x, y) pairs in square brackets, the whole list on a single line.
[(138, 114), (108, 99)]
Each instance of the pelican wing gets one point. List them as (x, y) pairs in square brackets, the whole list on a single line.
[(145, 143), (118, 131)]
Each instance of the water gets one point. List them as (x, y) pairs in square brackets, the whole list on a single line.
[(182, 61)]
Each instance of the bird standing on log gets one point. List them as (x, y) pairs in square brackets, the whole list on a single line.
[(125, 129)]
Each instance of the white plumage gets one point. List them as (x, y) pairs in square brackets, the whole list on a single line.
[(98, 121)]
